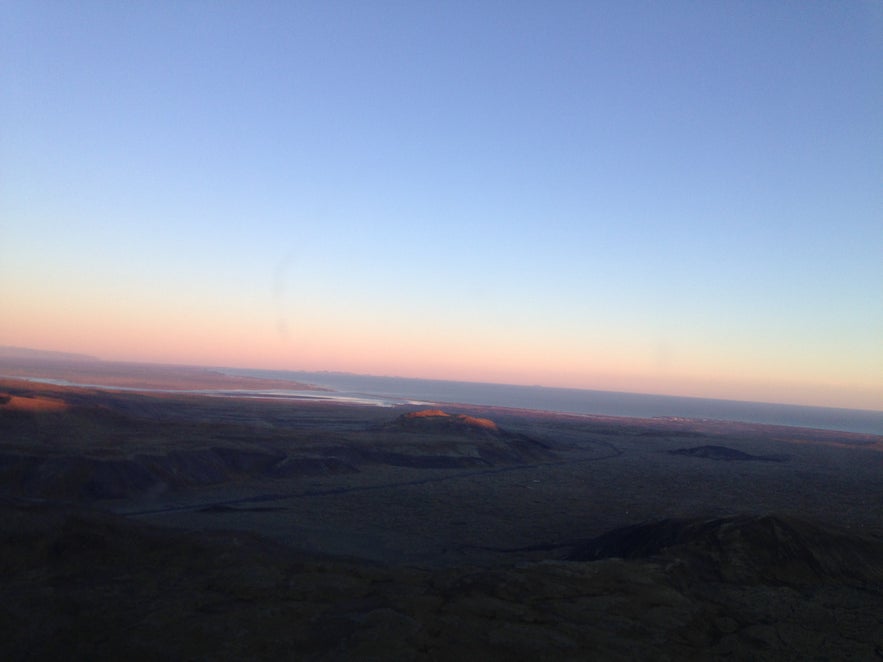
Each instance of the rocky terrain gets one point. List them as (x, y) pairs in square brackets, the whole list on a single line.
[(85, 585), (176, 526)]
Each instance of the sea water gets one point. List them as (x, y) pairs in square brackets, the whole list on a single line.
[(395, 390)]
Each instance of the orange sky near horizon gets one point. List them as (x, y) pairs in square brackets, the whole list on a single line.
[(248, 337)]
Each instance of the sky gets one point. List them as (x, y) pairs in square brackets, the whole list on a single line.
[(682, 197)]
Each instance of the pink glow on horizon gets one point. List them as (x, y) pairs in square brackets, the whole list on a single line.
[(247, 338)]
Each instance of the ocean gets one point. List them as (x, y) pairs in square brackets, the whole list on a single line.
[(396, 390)]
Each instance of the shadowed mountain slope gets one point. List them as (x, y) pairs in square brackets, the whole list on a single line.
[(82, 585), (746, 549)]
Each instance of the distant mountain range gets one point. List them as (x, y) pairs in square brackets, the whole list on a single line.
[(7, 352)]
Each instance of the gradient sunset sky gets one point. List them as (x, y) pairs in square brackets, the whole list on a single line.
[(657, 197)]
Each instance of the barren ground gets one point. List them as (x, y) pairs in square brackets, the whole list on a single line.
[(436, 494)]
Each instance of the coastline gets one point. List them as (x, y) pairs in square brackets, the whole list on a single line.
[(388, 392)]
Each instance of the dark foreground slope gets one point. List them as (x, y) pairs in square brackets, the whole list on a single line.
[(80, 584)]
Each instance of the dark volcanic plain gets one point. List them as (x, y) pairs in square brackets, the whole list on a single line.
[(179, 526)]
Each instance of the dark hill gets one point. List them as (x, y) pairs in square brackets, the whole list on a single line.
[(724, 453), (436, 421), (435, 438), (746, 549)]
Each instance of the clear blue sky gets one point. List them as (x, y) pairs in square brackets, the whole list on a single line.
[(671, 197)]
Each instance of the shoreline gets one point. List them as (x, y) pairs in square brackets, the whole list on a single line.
[(52, 389), (381, 392)]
